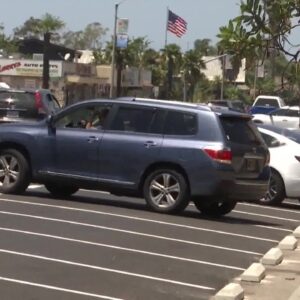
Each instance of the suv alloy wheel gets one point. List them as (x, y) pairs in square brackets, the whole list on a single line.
[(166, 190), (14, 172)]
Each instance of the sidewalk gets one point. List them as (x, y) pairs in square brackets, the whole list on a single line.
[(276, 277)]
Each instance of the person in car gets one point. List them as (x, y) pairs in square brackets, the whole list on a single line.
[(98, 119)]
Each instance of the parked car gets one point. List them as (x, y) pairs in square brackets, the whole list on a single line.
[(284, 146), (286, 117), (168, 152), (272, 101), (26, 105), (236, 105)]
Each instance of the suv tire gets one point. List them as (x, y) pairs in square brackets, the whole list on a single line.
[(215, 207), (60, 190), (15, 172), (276, 190), (166, 191)]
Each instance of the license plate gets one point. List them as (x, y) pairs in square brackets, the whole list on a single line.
[(12, 114), (251, 165)]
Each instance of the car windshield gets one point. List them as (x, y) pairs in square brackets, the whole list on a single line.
[(293, 135)]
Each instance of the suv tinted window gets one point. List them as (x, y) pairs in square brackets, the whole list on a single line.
[(239, 130), (82, 116), (137, 119), (180, 123)]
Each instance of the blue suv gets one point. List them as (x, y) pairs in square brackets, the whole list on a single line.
[(167, 152)]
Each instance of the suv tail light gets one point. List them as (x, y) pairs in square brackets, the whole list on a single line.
[(220, 155), (39, 103)]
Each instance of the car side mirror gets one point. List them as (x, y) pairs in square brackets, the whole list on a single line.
[(276, 143)]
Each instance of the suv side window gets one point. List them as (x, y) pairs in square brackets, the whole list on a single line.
[(86, 117), (180, 123), (138, 119)]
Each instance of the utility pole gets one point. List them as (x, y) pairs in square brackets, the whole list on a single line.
[(113, 58), (46, 76)]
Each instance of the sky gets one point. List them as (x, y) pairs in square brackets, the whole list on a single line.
[(147, 18)]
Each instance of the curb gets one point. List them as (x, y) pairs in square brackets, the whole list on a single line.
[(257, 271)]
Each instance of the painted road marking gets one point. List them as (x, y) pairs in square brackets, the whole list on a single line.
[(273, 208), (140, 219), (56, 288), (266, 216), (124, 248), (128, 232), (73, 263)]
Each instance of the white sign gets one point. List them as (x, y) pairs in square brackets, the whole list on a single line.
[(30, 68), (122, 26)]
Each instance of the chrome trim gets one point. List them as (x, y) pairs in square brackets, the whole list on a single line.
[(50, 173)]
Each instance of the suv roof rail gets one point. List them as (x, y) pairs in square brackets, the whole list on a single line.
[(167, 102)]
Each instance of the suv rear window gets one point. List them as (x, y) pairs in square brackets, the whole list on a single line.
[(240, 130), (24, 103)]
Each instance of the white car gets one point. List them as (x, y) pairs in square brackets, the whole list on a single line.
[(284, 147), (286, 117)]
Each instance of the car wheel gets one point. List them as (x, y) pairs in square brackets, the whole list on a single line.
[(14, 172), (216, 207), (58, 190), (167, 191), (276, 191)]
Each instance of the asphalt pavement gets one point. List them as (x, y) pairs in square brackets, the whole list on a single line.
[(98, 246)]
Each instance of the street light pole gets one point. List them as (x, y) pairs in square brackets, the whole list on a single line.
[(111, 91), (223, 65)]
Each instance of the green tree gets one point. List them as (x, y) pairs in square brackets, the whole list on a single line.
[(90, 38), (34, 27), (7, 45), (262, 30)]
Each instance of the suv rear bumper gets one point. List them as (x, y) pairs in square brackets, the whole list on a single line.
[(249, 190), (226, 185)]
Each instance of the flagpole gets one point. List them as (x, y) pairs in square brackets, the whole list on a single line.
[(166, 35)]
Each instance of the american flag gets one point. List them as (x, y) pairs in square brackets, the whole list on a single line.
[(176, 24)]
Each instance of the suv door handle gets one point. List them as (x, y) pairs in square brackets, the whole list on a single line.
[(92, 139), (149, 144)]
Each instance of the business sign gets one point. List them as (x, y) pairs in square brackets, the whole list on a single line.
[(30, 68), (122, 41), (122, 26)]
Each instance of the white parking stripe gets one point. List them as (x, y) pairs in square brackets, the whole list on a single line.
[(273, 208), (73, 263), (126, 249), (266, 216), (128, 232), (56, 288), (274, 228), (140, 219)]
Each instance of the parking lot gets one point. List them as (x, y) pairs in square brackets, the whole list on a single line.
[(95, 245)]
